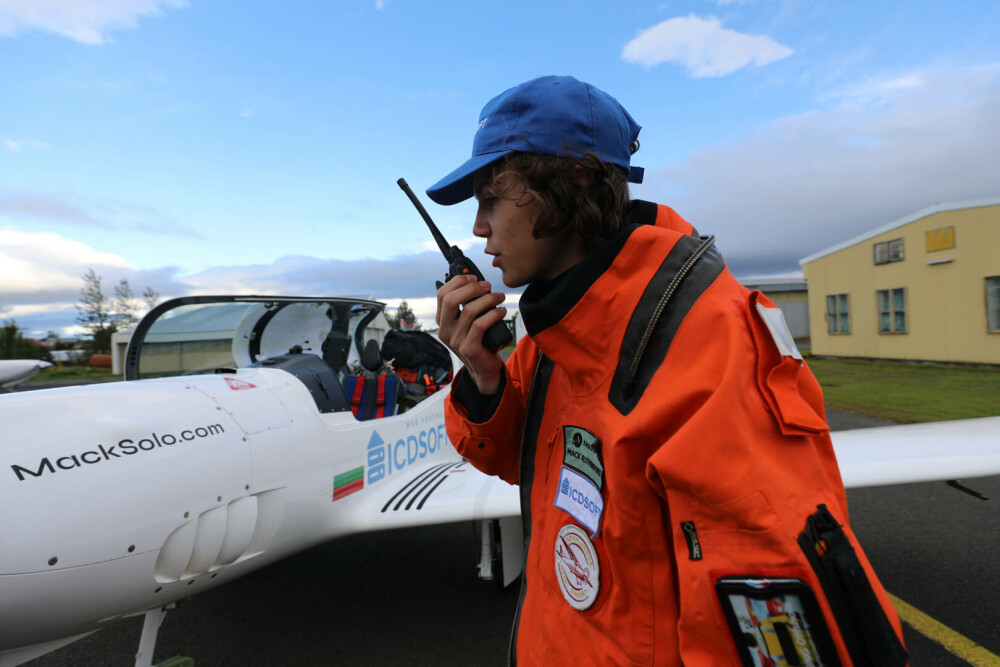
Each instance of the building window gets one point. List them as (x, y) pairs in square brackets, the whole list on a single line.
[(892, 310), (838, 319), (993, 303), (889, 251)]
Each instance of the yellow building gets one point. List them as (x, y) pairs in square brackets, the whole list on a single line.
[(926, 287)]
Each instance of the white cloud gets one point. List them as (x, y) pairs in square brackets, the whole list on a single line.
[(30, 310), (877, 91), (812, 180), (46, 262), (85, 21), (77, 212), (702, 46), (246, 113), (16, 146), (42, 207), (41, 276), (463, 244)]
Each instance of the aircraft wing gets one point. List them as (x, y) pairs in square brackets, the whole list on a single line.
[(437, 492), (919, 452), (15, 371)]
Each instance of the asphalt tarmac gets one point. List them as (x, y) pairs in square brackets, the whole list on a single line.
[(411, 597)]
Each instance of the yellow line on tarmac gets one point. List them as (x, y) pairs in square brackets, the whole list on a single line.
[(964, 648)]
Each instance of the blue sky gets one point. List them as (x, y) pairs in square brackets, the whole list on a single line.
[(216, 146)]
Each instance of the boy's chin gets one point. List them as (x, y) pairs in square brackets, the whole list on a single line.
[(511, 282)]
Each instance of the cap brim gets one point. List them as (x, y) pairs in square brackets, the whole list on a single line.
[(457, 186)]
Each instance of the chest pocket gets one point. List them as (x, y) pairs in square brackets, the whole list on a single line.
[(783, 379)]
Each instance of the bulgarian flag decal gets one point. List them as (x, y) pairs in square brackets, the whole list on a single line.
[(348, 482)]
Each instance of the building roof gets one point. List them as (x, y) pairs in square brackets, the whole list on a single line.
[(923, 213), (775, 283)]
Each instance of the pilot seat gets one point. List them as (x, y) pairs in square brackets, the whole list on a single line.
[(373, 393)]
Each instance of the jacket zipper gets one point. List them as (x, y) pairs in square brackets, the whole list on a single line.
[(511, 657), (678, 277)]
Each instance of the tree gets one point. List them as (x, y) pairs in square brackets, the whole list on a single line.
[(150, 297), (101, 317), (94, 313), (15, 346), (125, 308), (10, 334)]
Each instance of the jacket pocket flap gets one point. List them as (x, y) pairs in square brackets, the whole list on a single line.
[(784, 380)]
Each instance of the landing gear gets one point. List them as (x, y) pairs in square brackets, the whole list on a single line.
[(489, 551), (501, 550), (147, 642)]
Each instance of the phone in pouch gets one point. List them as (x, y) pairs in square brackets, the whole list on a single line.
[(776, 622)]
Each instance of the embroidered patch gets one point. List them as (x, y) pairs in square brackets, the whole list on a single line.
[(578, 496), (578, 570), (582, 452)]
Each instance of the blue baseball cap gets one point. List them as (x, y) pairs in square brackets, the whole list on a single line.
[(550, 115)]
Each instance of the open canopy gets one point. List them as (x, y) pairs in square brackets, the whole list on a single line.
[(200, 334)]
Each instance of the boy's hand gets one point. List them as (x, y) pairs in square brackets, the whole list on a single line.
[(459, 303)]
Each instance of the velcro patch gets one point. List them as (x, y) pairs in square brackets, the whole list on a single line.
[(775, 321), (578, 496), (582, 452)]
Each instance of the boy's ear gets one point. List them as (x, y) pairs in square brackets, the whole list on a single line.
[(583, 178)]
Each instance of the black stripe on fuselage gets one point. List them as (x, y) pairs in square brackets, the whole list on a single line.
[(417, 484)]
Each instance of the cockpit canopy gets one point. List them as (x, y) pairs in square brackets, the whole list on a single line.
[(201, 334)]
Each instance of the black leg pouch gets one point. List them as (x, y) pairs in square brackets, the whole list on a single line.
[(870, 638)]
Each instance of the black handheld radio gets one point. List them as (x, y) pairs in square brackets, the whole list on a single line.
[(498, 335)]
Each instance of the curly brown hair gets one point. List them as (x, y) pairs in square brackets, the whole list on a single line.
[(595, 212)]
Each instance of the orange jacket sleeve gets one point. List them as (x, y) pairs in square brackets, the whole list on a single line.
[(494, 446)]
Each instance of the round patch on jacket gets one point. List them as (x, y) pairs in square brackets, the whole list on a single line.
[(577, 569)]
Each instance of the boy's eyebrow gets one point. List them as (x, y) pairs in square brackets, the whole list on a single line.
[(483, 185)]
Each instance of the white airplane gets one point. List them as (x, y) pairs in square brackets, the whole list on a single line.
[(122, 499), (15, 371)]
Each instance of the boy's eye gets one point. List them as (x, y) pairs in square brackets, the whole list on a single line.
[(487, 201)]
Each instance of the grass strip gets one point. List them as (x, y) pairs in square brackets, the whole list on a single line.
[(72, 373), (908, 392)]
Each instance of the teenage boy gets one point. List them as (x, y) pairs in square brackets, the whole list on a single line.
[(680, 496)]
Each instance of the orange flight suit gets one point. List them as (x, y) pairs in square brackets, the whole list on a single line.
[(706, 442)]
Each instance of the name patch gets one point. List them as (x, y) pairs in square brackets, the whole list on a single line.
[(578, 496), (582, 452)]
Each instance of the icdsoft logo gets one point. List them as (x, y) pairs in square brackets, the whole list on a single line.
[(580, 498)]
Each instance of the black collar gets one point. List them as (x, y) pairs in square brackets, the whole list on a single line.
[(545, 302)]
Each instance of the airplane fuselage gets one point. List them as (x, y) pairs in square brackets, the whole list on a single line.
[(129, 496)]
